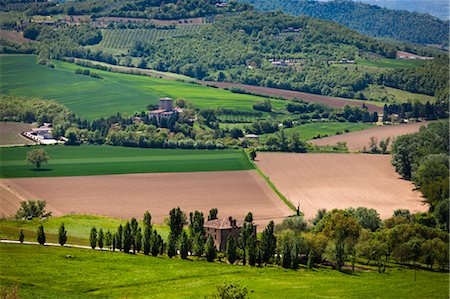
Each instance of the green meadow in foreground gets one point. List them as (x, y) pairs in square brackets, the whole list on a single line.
[(56, 272), (99, 160), (93, 98), (78, 227)]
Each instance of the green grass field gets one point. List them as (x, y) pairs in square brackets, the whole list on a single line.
[(78, 228), (92, 98), (310, 130), (390, 63), (98, 160), (377, 92), (47, 272)]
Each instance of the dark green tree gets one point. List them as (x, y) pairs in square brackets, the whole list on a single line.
[(127, 238), (101, 238), (134, 229), (139, 240), (268, 242), (108, 240), (177, 219), (172, 245), (197, 232), (147, 219), (184, 245), (252, 250), (213, 214), (93, 238), (156, 243), (147, 239), (286, 256), (210, 250), (231, 250), (119, 242), (21, 236), (41, 235), (62, 235), (252, 154)]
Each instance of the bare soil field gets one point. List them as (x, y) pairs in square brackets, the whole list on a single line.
[(14, 36), (10, 133), (290, 94), (329, 181), (356, 141), (233, 193)]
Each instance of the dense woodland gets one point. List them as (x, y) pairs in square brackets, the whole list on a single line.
[(367, 19)]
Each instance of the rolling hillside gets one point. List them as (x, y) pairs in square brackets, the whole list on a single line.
[(369, 19)]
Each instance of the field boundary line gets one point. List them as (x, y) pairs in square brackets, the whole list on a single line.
[(272, 185)]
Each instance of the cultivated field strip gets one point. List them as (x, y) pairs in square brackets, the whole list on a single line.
[(124, 38), (233, 193), (316, 181)]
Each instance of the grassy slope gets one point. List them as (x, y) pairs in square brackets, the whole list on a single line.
[(376, 92), (97, 160), (390, 63), (310, 130), (93, 98), (78, 228), (46, 272)]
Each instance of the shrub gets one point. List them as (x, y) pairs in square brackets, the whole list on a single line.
[(31, 209)]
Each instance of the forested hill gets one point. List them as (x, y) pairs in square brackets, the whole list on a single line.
[(367, 19)]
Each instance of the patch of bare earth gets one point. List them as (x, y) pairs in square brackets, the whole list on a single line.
[(356, 141), (10, 133), (14, 36), (290, 94), (233, 193), (329, 181)]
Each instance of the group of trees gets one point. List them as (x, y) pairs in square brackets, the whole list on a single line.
[(367, 19), (423, 158), (430, 111)]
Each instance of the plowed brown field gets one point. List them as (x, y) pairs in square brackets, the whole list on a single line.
[(233, 193), (356, 141), (290, 94), (330, 181)]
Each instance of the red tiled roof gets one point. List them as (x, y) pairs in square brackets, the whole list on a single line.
[(223, 223)]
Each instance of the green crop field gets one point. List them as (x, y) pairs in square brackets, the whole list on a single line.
[(310, 130), (78, 228), (390, 63), (98, 160), (124, 38), (92, 98), (56, 272), (378, 92)]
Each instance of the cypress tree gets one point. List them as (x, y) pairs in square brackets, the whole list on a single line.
[(155, 243), (184, 245), (286, 260), (197, 230), (252, 250), (172, 245), (259, 257), (127, 238), (176, 222), (139, 240), (295, 252), (268, 242), (147, 219), (147, 239), (213, 214), (41, 235), (21, 236), (100, 239), (134, 228), (93, 238), (62, 235), (231, 250), (108, 240), (210, 250), (119, 234), (114, 242)]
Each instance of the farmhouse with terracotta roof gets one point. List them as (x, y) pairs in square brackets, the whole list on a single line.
[(165, 111), (220, 229)]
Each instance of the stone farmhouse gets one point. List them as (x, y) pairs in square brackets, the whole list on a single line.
[(165, 111), (220, 229)]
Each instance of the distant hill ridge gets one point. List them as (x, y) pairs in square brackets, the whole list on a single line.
[(367, 19)]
